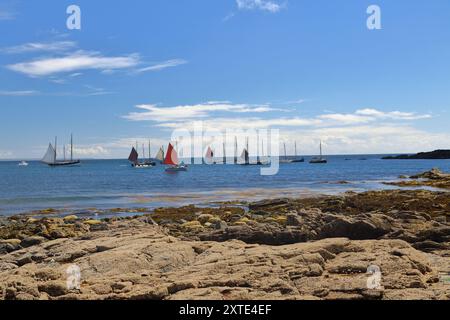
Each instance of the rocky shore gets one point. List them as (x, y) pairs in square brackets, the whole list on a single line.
[(434, 178), (311, 248)]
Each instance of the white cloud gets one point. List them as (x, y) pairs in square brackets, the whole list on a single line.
[(90, 151), (223, 124), (264, 5), (366, 139), (396, 115), (19, 93), (185, 115), (371, 115), (364, 131), (5, 154), (163, 65), (56, 46), (186, 112), (80, 60), (346, 118)]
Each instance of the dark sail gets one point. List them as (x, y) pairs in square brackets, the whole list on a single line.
[(133, 156)]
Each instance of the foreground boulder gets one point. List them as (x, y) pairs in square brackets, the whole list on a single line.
[(136, 260)]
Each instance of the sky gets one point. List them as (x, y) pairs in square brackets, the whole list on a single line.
[(137, 70)]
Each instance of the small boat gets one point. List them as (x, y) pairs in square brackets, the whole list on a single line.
[(51, 160), (297, 159), (23, 164), (134, 159), (172, 161), (285, 159), (319, 160)]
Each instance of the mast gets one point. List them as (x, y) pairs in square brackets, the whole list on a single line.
[(56, 141), (71, 147), (235, 150), (64, 150), (247, 154), (296, 148), (143, 152), (257, 149), (149, 150), (320, 149), (224, 154), (285, 154)]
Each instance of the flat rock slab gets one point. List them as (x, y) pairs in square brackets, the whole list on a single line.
[(141, 261)]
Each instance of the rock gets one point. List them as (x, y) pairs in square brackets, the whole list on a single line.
[(220, 225), (258, 233), (204, 218), (70, 218), (93, 222), (358, 228), (32, 241), (293, 220), (24, 260), (146, 263), (192, 225), (433, 178), (7, 246), (54, 288), (433, 174)]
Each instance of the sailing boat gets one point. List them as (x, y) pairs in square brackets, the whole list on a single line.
[(149, 161), (134, 159), (50, 156), (160, 155), (285, 159), (209, 157), (321, 159), (297, 160), (245, 155), (172, 161)]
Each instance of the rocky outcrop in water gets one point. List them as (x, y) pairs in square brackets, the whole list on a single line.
[(437, 154), (434, 178)]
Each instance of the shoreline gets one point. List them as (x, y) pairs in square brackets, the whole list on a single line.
[(127, 204), (288, 248)]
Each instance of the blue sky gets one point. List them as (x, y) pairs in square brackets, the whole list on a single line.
[(310, 68)]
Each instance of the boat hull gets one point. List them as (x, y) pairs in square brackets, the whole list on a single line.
[(144, 165), (318, 161), (64, 163), (176, 169)]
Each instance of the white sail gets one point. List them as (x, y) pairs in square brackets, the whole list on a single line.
[(160, 155), (50, 156)]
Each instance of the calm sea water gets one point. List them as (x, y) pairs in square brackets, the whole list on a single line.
[(113, 183)]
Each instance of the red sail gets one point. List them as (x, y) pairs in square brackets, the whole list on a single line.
[(133, 156), (171, 157), (209, 154)]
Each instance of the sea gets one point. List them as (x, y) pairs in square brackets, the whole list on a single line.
[(112, 184)]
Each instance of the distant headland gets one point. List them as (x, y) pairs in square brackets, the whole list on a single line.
[(437, 154)]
